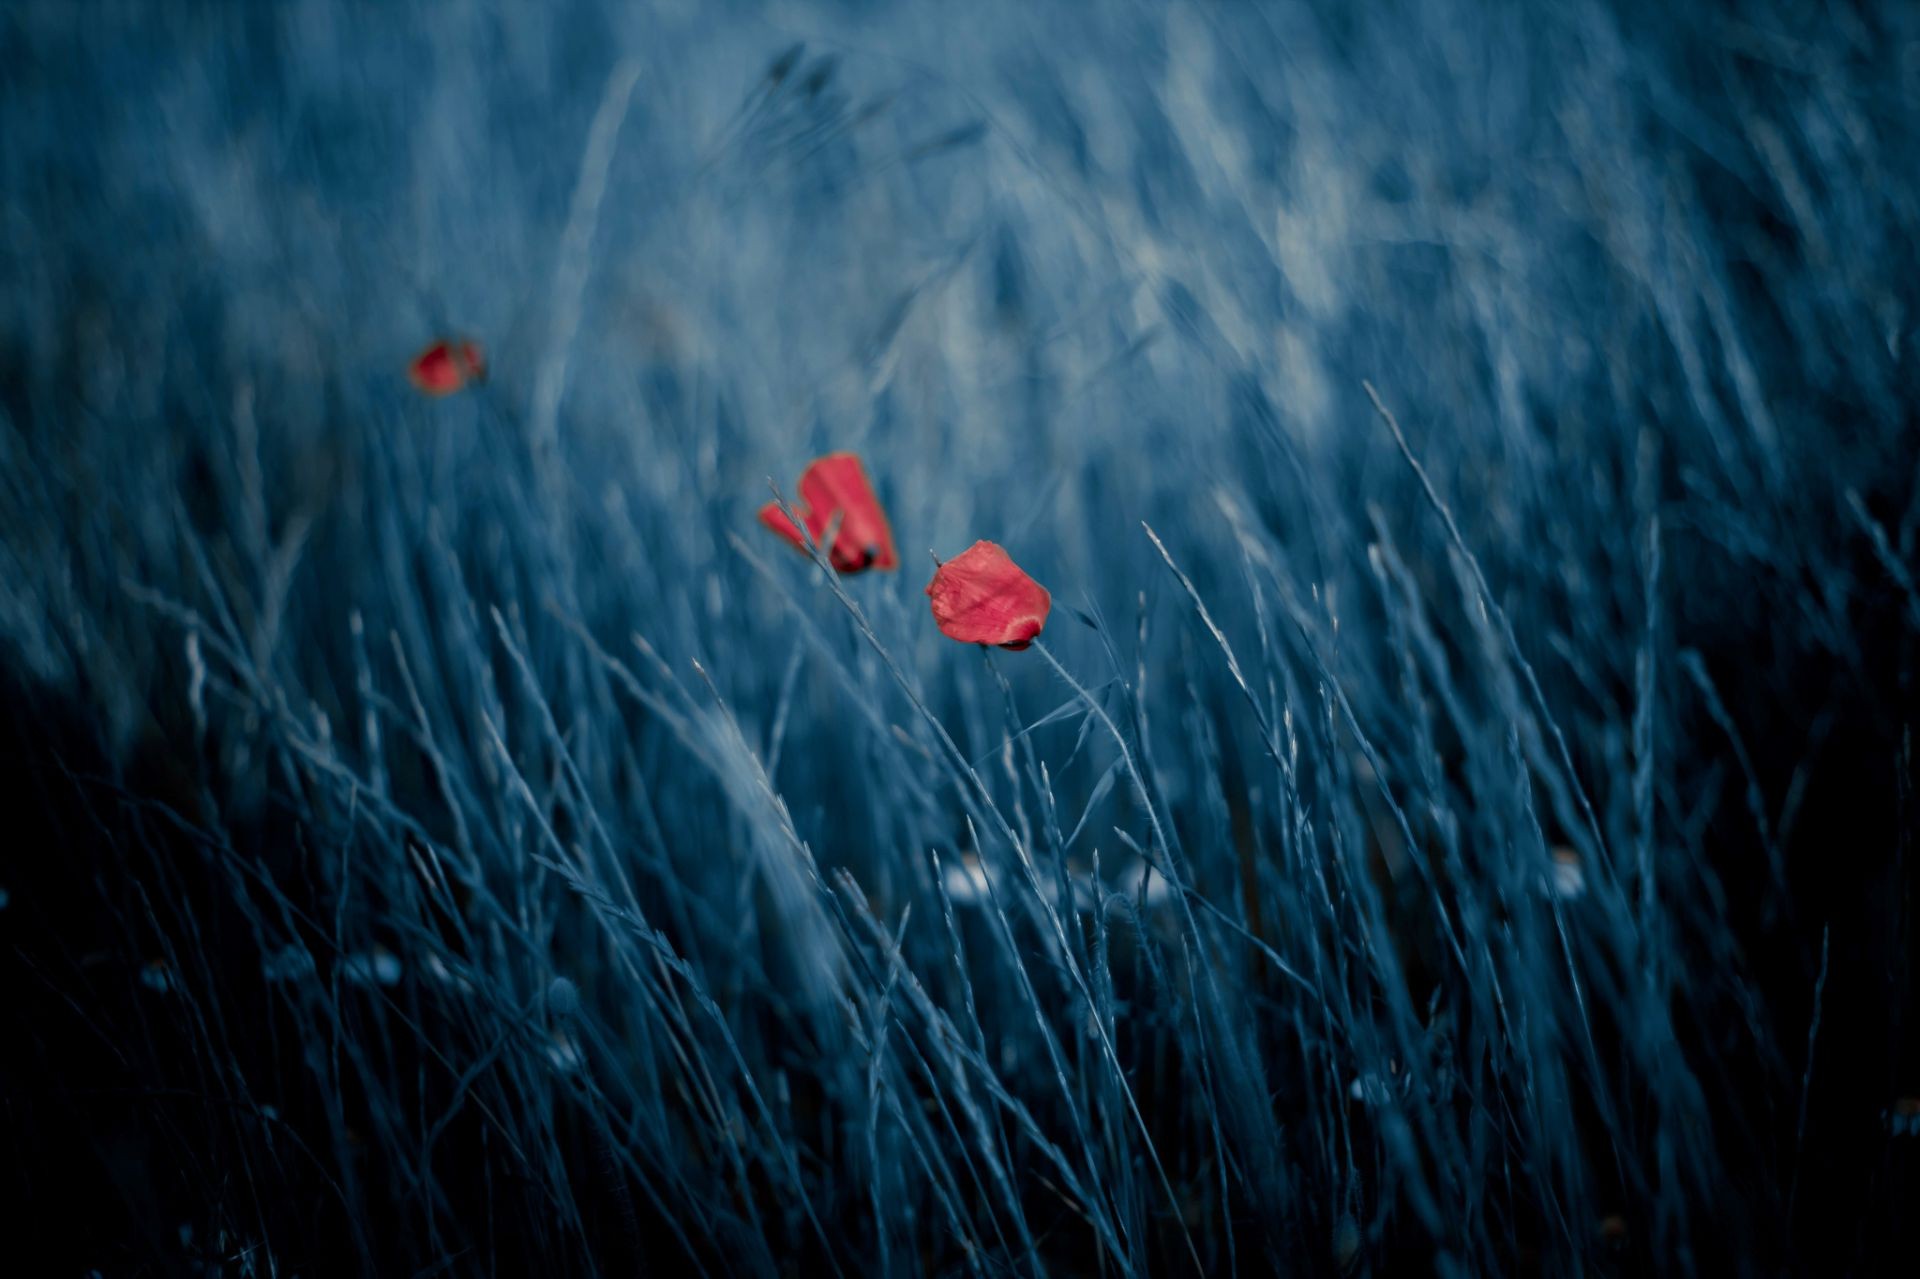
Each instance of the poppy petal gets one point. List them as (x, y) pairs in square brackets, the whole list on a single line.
[(776, 519), (982, 597), (472, 361), (838, 483)]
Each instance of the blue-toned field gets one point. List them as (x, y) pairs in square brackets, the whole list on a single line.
[(1458, 819)]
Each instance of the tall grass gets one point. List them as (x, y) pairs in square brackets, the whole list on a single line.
[(1458, 816)]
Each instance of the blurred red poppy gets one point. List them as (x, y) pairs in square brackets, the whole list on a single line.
[(980, 596), (446, 366), (836, 486)]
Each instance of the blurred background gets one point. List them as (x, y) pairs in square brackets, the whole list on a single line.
[(1457, 818)]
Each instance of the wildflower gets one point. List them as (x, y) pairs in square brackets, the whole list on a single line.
[(1568, 880), (836, 486), (1158, 890), (980, 596), (445, 976), (447, 365), (563, 1054), (289, 963), (1346, 1242), (966, 882), (380, 967), (1377, 1089), (156, 976), (1370, 1088)]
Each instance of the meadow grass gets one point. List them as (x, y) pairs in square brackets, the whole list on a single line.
[(1456, 819)]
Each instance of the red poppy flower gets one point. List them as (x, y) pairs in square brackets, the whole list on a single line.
[(446, 366), (836, 486), (980, 596)]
